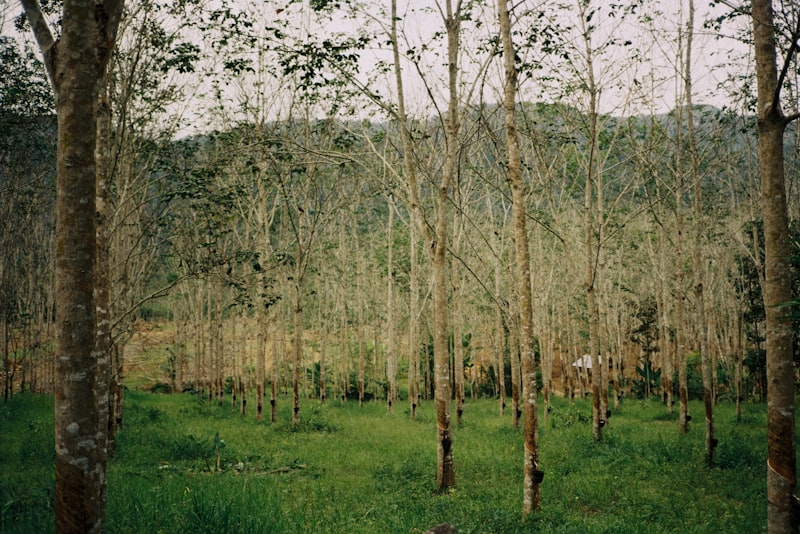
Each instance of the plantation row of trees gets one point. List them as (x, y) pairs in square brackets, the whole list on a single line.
[(336, 209)]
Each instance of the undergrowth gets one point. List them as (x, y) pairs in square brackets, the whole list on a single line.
[(186, 465)]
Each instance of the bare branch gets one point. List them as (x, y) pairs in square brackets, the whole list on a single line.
[(786, 64), (43, 35)]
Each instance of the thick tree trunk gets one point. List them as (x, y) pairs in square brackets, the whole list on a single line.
[(76, 65), (782, 506)]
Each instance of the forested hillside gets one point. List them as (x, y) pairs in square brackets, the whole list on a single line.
[(343, 202)]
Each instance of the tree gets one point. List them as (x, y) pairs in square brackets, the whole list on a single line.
[(782, 506), (697, 256), (532, 475), (76, 65)]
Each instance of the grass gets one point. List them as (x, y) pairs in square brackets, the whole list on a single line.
[(352, 470)]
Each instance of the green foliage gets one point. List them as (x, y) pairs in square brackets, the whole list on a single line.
[(648, 382), (376, 472)]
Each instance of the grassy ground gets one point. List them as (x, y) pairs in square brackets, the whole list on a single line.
[(351, 470)]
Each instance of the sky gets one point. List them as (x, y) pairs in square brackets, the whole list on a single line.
[(648, 84)]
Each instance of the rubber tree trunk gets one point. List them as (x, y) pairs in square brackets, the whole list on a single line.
[(697, 256), (76, 65), (532, 476), (782, 506)]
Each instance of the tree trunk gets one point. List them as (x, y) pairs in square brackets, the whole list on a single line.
[(458, 324), (102, 284), (697, 257), (323, 352), (514, 342), (242, 343), (782, 506), (261, 347), (500, 337), (532, 475), (297, 349), (76, 65), (445, 473), (592, 249), (278, 345), (391, 351)]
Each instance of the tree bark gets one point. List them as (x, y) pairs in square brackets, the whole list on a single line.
[(391, 351), (514, 338), (532, 475), (445, 474), (697, 256), (416, 222), (782, 506), (102, 283), (76, 65)]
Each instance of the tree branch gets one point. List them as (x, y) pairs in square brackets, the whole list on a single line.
[(785, 69), (43, 35), (792, 117)]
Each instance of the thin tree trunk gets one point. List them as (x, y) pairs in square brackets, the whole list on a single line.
[(500, 337), (532, 475), (458, 325), (416, 222), (413, 323), (261, 347), (234, 352), (243, 344), (699, 269), (738, 355), (514, 343), (391, 351), (297, 347), (323, 353), (278, 345), (592, 251), (445, 473)]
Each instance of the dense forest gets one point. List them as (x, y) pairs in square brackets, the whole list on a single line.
[(347, 202)]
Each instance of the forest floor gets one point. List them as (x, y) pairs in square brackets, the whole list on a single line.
[(184, 464)]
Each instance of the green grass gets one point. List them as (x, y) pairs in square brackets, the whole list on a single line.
[(352, 470)]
